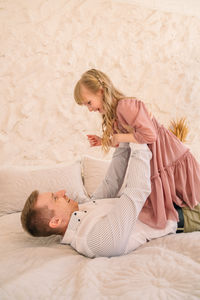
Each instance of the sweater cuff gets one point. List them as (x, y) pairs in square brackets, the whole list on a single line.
[(135, 146), (123, 145)]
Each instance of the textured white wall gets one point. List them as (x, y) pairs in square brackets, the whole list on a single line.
[(184, 7), (45, 46)]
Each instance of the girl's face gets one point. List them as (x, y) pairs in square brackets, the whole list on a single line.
[(94, 102)]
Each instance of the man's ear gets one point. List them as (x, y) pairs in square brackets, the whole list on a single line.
[(55, 222)]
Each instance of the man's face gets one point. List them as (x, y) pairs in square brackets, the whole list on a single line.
[(62, 206)]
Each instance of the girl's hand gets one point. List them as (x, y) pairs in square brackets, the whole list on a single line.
[(94, 140)]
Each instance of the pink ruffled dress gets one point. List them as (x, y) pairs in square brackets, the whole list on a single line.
[(175, 173)]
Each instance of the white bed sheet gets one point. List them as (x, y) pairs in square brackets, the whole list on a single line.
[(42, 268)]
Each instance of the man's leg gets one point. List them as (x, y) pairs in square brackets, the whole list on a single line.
[(191, 218)]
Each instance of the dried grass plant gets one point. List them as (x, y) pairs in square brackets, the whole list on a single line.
[(179, 128)]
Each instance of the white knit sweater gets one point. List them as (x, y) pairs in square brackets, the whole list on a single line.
[(109, 226)]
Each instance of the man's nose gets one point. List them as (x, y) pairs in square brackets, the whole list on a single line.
[(90, 108), (60, 193)]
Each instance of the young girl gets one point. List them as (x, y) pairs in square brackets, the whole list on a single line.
[(175, 173)]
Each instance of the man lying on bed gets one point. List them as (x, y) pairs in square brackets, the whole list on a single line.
[(101, 227)]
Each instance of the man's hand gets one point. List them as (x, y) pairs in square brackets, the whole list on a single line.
[(115, 140), (122, 138), (94, 140)]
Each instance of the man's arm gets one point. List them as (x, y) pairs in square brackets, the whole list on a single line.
[(110, 234), (115, 174)]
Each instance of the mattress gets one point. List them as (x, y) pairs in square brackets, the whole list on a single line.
[(42, 268)]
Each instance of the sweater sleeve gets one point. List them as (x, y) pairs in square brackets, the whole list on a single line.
[(115, 175), (133, 113), (111, 233)]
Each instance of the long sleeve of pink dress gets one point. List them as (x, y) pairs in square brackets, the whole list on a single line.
[(175, 173)]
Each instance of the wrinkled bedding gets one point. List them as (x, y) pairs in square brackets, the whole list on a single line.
[(41, 268)]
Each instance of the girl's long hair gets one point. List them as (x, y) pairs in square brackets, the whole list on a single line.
[(94, 80)]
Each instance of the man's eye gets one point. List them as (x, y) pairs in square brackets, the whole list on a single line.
[(89, 102)]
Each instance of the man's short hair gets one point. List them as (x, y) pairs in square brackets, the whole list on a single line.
[(36, 220)]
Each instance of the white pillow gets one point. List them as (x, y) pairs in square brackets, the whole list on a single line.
[(94, 171), (17, 183)]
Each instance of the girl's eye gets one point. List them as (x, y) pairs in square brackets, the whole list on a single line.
[(89, 102)]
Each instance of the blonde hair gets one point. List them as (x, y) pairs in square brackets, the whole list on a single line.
[(36, 220), (94, 80)]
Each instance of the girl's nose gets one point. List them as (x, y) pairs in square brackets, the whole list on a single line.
[(90, 109)]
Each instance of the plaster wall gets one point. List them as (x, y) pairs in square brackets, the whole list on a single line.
[(149, 50)]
